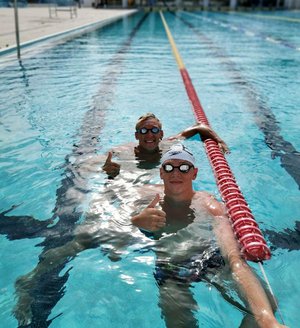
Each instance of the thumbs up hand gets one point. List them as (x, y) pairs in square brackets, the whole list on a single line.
[(111, 168), (151, 218)]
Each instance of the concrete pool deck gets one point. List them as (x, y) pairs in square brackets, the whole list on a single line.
[(35, 23)]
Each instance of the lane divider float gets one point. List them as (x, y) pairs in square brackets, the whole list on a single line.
[(279, 18), (252, 242)]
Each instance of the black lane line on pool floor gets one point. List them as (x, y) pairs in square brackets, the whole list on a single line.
[(263, 115), (238, 28), (287, 239), (49, 289)]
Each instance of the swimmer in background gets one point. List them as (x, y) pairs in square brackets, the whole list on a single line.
[(196, 243), (151, 144)]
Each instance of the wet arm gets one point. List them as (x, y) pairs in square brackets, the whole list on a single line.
[(87, 165), (205, 132), (248, 284)]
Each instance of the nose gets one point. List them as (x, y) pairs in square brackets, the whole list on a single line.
[(149, 131), (176, 171), (150, 134)]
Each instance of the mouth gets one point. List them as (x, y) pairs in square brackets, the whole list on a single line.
[(150, 142)]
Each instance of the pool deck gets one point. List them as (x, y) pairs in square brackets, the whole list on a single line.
[(35, 23)]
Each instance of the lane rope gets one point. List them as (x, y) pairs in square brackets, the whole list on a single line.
[(253, 245), (271, 291), (252, 242), (263, 115)]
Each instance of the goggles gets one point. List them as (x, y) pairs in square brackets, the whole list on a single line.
[(154, 130), (183, 168)]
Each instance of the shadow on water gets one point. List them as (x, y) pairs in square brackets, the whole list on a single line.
[(269, 126), (288, 239), (59, 229)]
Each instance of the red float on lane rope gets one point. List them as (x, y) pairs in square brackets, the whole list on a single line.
[(253, 244)]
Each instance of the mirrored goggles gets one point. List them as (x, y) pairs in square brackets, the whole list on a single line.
[(154, 130), (183, 168)]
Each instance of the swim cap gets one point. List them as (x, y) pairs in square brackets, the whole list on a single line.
[(178, 151)]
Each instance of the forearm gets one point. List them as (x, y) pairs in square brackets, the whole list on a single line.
[(204, 131), (248, 285), (253, 293)]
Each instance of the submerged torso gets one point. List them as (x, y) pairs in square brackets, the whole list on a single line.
[(139, 167)]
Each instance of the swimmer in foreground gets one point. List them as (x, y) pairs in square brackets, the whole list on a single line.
[(139, 164), (195, 242), (149, 134)]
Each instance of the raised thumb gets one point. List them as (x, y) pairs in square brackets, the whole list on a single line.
[(108, 159), (154, 201)]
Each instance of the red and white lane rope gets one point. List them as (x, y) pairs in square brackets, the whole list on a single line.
[(252, 242)]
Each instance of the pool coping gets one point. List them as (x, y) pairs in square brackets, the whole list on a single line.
[(69, 32)]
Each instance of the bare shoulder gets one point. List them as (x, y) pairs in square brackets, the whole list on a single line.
[(210, 203), (124, 150), (149, 189), (145, 194)]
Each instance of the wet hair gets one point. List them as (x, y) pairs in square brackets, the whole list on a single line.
[(146, 117)]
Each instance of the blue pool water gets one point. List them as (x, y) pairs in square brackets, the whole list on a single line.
[(245, 70)]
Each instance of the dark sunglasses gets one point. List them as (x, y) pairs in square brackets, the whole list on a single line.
[(154, 130), (183, 168)]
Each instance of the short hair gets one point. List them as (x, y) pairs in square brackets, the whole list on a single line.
[(146, 117)]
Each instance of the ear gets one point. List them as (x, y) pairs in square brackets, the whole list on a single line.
[(195, 174), (161, 134), (161, 172)]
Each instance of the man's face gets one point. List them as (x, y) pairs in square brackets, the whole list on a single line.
[(149, 140), (180, 175)]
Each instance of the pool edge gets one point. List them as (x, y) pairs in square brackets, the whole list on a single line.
[(69, 32)]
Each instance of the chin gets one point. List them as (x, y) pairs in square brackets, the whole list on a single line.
[(176, 188), (151, 147)]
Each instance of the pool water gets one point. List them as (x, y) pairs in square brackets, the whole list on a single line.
[(87, 93)]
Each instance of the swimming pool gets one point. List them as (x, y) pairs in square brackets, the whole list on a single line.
[(87, 93)]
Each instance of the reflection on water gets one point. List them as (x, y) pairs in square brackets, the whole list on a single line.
[(59, 111)]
